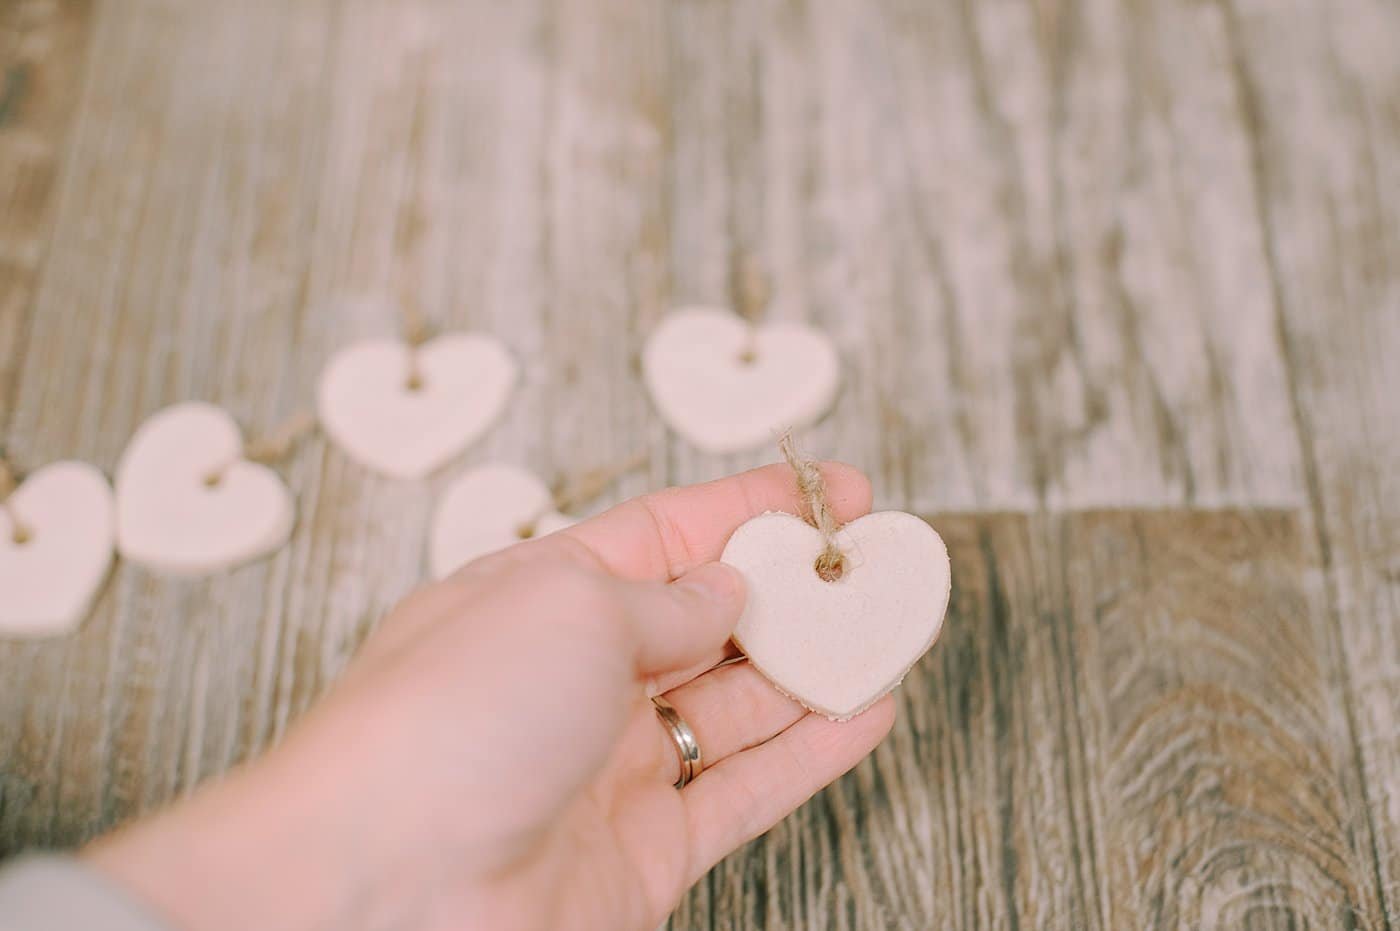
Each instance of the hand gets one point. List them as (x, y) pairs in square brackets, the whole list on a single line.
[(491, 758)]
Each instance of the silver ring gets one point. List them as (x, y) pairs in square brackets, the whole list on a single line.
[(687, 747)]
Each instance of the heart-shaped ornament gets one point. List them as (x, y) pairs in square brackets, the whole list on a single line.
[(838, 646), (372, 405), (50, 572), (727, 386), (489, 509), (188, 503)]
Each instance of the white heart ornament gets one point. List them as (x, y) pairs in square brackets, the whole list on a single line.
[(838, 647), (484, 511), (170, 517), (727, 386), (48, 582), (366, 405)]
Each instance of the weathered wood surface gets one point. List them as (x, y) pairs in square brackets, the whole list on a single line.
[(1076, 255), (1126, 725)]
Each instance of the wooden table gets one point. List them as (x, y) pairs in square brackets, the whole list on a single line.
[(1117, 289)]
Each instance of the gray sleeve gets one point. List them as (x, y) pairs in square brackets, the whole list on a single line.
[(57, 893)]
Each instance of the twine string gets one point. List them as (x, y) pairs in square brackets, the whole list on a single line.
[(751, 295), (278, 443), (271, 447), (583, 488), (831, 564), (416, 332), (20, 532)]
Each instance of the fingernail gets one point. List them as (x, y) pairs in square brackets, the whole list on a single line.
[(717, 581)]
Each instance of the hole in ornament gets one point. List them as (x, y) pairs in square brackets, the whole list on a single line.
[(525, 531), (20, 535), (748, 357), (414, 382), (830, 569), (213, 479)]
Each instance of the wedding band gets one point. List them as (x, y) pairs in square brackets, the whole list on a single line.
[(687, 747)]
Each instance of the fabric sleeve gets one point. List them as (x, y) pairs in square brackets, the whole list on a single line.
[(60, 893)]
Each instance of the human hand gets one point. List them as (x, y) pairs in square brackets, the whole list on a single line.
[(491, 759)]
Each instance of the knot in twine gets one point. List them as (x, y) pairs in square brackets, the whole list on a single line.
[(831, 564), (19, 531)]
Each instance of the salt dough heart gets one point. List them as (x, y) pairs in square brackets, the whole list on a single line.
[(837, 647), (169, 518), (695, 368), (367, 408), (483, 511), (48, 582)]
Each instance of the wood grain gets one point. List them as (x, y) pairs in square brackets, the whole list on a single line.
[(1124, 725), (1329, 210), (43, 49), (1075, 254)]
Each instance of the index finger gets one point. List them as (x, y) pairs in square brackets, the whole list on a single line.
[(665, 534)]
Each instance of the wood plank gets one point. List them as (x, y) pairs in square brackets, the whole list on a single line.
[(1325, 158), (43, 53), (1124, 725), (257, 218), (1031, 234), (1222, 797), (43, 50), (1073, 254), (178, 223)]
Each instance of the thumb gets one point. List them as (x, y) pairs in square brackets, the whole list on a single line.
[(680, 623)]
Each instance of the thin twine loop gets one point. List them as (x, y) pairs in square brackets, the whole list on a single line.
[(270, 448), (277, 443), (831, 564), (20, 532), (416, 332), (751, 295), (584, 488)]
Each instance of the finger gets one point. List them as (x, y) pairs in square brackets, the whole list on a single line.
[(730, 709), (664, 682), (666, 534), (679, 624), (750, 792)]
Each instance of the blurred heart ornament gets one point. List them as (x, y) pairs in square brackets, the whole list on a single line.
[(726, 385), (405, 410), (489, 509), (188, 503), (53, 561)]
